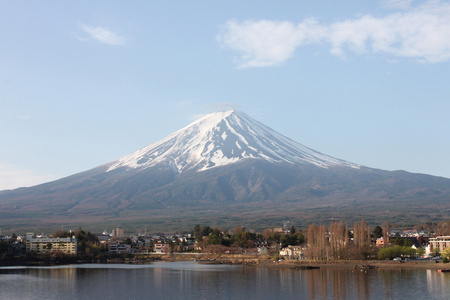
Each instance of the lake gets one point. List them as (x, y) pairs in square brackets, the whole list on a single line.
[(189, 280)]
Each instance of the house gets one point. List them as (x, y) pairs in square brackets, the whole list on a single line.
[(161, 247), (380, 242), (292, 252), (262, 249), (278, 230)]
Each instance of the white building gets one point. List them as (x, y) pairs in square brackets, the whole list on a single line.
[(440, 242), (41, 245), (292, 252)]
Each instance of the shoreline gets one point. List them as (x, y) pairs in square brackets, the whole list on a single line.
[(363, 265), (245, 260), (341, 264)]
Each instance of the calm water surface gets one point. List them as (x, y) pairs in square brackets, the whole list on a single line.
[(188, 280)]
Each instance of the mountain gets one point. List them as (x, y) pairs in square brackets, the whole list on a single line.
[(226, 169), (220, 139)]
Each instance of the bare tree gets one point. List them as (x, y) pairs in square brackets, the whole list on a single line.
[(386, 232)]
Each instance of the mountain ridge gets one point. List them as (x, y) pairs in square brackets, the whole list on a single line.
[(227, 167)]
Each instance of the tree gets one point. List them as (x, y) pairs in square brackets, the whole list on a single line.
[(361, 235), (200, 231), (13, 237), (390, 252), (292, 231), (435, 252), (338, 240), (386, 230), (271, 236), (420, 251), (377, 232), (292, 239), (86, 241), (242, 238), (404, 242), (4, 247), (443, 228), (286, 240), (446, 252), (299, 237), (216, 238), (317, 242), (197, 233), (238, 230), (206, 231)]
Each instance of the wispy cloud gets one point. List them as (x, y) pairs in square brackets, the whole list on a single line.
[(421, 33), (13, 177), (104, 35), (266, 43)]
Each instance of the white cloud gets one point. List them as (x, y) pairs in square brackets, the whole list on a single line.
[(12, 177), (421, 33), (104, 35), (266, 43)]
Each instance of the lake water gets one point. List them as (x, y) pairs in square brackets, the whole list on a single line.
[(189, 280)]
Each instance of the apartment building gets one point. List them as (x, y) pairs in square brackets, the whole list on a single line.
[(440, 242), (41, 245)]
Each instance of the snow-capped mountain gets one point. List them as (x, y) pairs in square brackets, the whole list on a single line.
[(223, 138), (227, 169)]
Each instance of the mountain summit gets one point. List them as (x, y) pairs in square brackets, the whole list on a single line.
[(227, 169), (223, 138)]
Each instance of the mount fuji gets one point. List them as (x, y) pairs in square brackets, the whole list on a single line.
[(220, 139), (226, 169)]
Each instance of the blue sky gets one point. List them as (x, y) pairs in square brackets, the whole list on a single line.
[(83, 83)]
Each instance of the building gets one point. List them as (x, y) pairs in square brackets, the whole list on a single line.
[(380, 242), (44, 244), (292, 252), (440, 242), (118, 232), (262, 249), (119, 248), (103, 239), (161, 247)]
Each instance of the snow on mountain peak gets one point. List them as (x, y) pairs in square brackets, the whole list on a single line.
[(222, 138)]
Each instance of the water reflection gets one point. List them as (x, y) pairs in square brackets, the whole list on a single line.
[(437, 281), (193, 281)]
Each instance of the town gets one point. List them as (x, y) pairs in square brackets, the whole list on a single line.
[(337, 242)]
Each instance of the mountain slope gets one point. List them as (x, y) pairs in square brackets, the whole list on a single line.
[(223, 167), (222, 138)]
